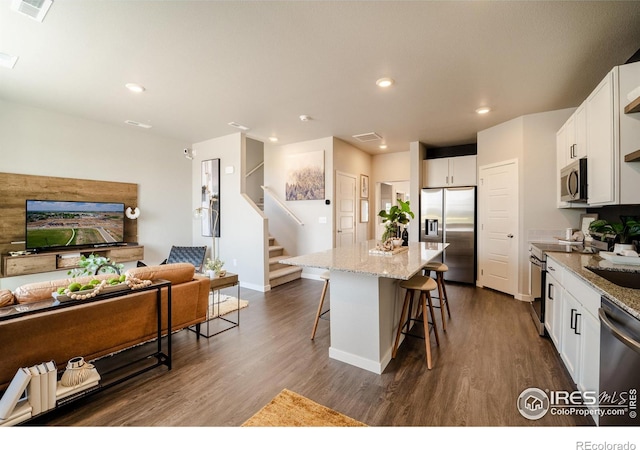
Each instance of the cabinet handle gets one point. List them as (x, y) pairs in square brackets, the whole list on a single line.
[(573, 325), (447, 180), (575, 330), (451, 179), (549, 295)]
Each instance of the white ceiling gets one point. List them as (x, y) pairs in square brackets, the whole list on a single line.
[(263, 64)]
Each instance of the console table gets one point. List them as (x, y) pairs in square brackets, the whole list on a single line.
[(216, 285), (66, 259), (116, 374)]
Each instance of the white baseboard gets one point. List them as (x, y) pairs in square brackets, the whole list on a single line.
[(255, 287)]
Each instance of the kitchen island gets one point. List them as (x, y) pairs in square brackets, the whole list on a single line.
[(365, 297)]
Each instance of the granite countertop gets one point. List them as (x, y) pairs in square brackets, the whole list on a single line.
[(357, 258), (627, 298)]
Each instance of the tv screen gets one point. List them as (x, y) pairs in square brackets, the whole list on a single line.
[(54, 224)]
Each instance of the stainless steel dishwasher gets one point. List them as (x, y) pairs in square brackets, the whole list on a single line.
[(619, 362)]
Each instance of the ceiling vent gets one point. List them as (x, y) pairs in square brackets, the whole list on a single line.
[(137, 124), (7, 61), (368, 137), (36, 9), (237, 125)]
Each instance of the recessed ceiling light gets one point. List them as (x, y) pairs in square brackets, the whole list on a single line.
[(305, 118), (384, 82), (134, 87), (273, 139), (483, 110), (383, 147), (35, 9), (137, 124), (7, 60)]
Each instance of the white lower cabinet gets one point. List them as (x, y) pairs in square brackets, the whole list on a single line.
[(553, 309), (570, 341), (571, 318)]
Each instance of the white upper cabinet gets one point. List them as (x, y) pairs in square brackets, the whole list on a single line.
[(580, 126), (602, 142), (448, 172), (606, 134), (574, 145), (629, 107), (571, 145), (435, 172)]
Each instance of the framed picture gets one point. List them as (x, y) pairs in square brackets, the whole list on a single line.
[(364, 186), (585, 221), (364, 210), (210, 198), (305, 176)]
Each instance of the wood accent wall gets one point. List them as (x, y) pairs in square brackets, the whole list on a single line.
[(16, 189)]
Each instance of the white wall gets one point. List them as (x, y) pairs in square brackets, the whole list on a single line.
[(531, 140), (351, 160), (254, 156), (417, 153), (313, 236), (40, 142), (242, 227), (395, 169)]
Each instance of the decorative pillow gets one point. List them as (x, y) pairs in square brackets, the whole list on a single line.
[(6, 298), (35, 292), (176, 273)]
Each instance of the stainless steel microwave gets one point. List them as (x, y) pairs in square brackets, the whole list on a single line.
[(573, 182)]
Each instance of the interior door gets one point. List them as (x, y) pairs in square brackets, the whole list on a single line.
[(498, 208), (345, 210)]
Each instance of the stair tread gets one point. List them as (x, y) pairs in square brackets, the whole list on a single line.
[(275, 259), (284, 271), (276, 247)]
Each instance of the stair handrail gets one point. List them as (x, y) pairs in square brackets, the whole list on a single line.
[(290, 213), (254, 169)]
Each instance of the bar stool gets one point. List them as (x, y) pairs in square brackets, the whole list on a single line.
[(319, 314), (439, 269), (424, 285)]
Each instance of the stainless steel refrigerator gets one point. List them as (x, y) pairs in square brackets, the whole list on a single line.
[(449, 215)]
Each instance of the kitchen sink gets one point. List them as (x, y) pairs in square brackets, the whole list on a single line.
[(619, 277)]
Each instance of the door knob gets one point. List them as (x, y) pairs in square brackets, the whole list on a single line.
[(510, 235)]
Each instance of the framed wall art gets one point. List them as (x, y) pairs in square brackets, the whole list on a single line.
[(210, 199), (364, 186), (305, 176), (364, 210)]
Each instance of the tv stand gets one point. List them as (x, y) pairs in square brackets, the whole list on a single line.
[(66, 259)]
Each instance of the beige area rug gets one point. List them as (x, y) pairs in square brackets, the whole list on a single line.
[(225, 304), (289, 409)]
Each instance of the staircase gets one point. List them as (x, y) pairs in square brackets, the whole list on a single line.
[(280, 273)]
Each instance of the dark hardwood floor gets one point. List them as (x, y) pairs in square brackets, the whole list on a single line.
[(488, 356)]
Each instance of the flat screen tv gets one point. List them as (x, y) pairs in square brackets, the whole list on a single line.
[(53, 224)]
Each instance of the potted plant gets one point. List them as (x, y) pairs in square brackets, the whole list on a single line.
[(618, 233), (215, 267), (90, 265), (399, 214)]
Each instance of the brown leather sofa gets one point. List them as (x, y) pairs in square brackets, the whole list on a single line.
[(96, 329)]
